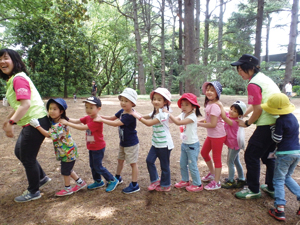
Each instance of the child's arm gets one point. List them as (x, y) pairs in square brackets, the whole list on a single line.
[(144, 119), (179, 122), (74, 125), (36, 124), (77, 121), (212, 124), (223, 114), (108, 118), (115, 123)]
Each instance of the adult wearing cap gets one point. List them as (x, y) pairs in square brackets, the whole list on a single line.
[(27, 104), (260, 88), (94, 88), (286, 135)]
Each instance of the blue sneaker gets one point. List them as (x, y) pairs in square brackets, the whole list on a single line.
[(95, 185), (112, 185), (120, 180), (27, 196), (131, 189)]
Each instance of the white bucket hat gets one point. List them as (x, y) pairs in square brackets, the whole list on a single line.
[(164, 92), (130, 94)]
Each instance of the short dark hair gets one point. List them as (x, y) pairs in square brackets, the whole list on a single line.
[(246, 67), (238, 109), (19, 65)]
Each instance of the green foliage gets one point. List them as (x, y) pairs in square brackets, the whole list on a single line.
[(228, 91), (296, 88)]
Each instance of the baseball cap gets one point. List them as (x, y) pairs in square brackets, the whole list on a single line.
[(59, 101), (278, 104), (246, 58), (93, 100), (217, 86), (130, 94), (164, 92), (190, 97)]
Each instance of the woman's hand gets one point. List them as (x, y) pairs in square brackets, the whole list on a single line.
[(9, 129)]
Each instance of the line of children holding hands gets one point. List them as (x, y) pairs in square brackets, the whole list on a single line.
[(162, 144)]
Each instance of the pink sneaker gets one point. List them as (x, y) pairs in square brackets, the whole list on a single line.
[(79, 186), (182, 184), (213, 185), (64, 192), (153, 185), (208, 177), (160, 188), (194, 188)]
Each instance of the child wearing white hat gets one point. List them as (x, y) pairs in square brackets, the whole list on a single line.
[(129, 142), (286, 135)]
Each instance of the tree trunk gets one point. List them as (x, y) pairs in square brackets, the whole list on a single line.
[(197, 32), (267, 40), (170, 75), (220, 38), (189, 42), (259, 23), (141, 75), (181, 91), (292, 42), (163, 72), (206, 36)]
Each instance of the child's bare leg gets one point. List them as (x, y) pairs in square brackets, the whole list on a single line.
[(135, 172), (120, 166), (67, 180), (74, 175), (218, 174), (210, 167)]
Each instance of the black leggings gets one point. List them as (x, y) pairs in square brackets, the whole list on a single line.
[(26, 150)]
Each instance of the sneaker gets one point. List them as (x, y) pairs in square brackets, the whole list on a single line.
[(65, 191), (229, 184), (240, 183), (112, 185), (298, 212), (79, 186), (265, 188), (246, 193), (44, 181), (120, 180), (96, 185), (153, 185), (213, 185), (27, 196), (160, 188), (194, 188), (208, 177), (182, 184), (131, 189), (277, 214)]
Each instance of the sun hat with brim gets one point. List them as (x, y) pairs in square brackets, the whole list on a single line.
[(59, 101), (130, 94), (93, 100), (189, 97), (217, 86), (163, 92), (242, 106), (246, 58), (278, 104)]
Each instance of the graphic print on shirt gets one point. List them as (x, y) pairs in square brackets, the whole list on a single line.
[(90, 139), (182, 134), (121, 130)]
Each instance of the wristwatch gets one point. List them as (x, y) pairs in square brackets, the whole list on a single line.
[(246, 123), (11, 122)]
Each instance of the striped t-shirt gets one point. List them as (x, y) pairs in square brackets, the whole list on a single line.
[(161, 137)]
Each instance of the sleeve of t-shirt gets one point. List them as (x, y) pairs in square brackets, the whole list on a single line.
[(215, 110), (22, 88), (254, 94), (277, 135), (192, 117), (83, 120), (118, 114), (127, 119)]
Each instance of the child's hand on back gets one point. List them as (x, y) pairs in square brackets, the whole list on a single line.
[(98, 119), (135, 114), (63, 121), (165, 110), (219, 104)]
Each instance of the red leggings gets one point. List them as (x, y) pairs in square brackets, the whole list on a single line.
[(216, 145)]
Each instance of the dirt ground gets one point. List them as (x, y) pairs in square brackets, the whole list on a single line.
[(144, 207)]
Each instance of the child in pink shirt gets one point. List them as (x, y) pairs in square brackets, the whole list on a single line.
[(216, 134)]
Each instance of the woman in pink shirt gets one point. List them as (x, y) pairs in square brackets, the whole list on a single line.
[(216, 134)]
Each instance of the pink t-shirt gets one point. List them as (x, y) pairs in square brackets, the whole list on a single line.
[(218, 131), (22, 88), (231, 131), (94, 135), (254, 94)]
